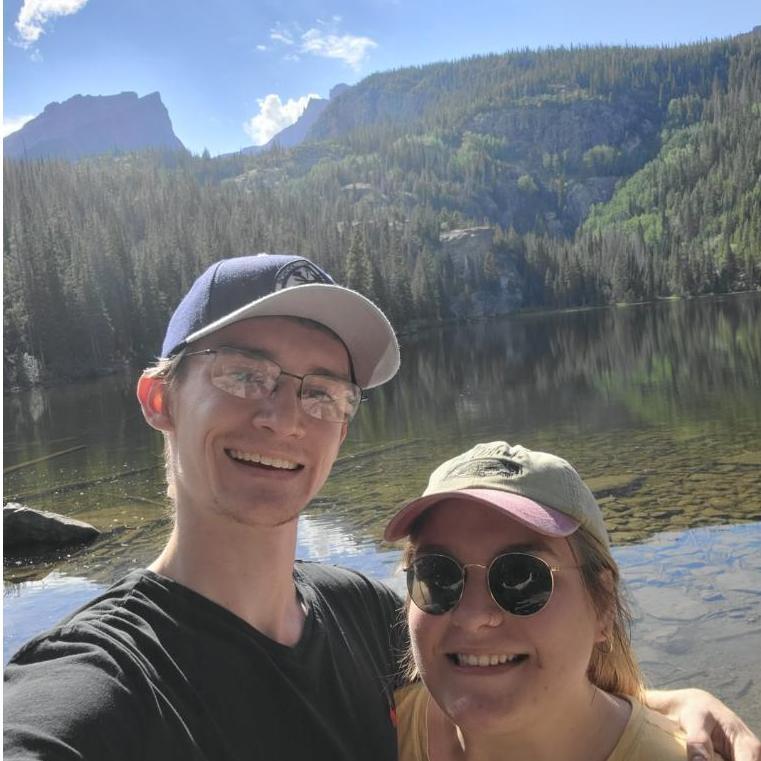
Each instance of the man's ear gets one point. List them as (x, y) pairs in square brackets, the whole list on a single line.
[(154, 401)]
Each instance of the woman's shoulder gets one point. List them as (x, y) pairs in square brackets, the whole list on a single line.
[(411, 704), (649, 736)]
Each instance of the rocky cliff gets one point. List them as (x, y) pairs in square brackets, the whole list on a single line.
[(86, 125), (296, 133), (469, 250)]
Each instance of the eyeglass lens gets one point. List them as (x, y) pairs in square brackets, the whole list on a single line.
[(249, 377), (520, 584)]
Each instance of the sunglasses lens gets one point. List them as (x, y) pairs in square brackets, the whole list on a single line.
[(434, 583), (520, 584)]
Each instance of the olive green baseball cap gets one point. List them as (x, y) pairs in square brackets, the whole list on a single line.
[(538, 489)]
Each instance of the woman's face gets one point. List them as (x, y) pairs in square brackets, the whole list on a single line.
[(548, 652)]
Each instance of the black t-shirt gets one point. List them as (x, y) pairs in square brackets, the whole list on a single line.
[(152, 670)]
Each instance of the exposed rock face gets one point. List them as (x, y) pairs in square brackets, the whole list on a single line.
[(25, 528), (468, 250), (546, 131), (296, 133), (87, 125), (573, 127), (372, 101), (591, 142), (469, 242), (582, 195)]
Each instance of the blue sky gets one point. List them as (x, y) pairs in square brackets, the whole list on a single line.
[(232, 72)]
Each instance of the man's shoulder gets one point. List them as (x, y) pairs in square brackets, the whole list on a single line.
[(348, 594), (80, 683), (328, 578), (104, 621)]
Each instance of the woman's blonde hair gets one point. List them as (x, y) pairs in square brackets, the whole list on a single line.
[(612, 667)]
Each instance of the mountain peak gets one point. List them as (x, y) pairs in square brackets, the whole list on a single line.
[(85, 125)]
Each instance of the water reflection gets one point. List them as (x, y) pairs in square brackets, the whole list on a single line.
[(33, 607), (658, 405), (674, 360)]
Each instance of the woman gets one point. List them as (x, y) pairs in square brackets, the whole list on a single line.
[(517, 624)]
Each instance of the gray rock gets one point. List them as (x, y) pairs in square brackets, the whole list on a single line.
[(467, 249), (87, 125), (26, 527)]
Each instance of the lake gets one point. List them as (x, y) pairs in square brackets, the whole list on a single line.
[(657, 405)]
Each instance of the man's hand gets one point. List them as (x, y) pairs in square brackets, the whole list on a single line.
[(710, 726)]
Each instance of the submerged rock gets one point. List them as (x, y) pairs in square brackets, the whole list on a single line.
[(24, 528)]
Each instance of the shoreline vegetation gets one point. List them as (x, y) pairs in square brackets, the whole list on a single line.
[(531, 180), (415, 329)]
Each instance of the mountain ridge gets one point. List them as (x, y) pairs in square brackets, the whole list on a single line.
[(536, 180), (86, 125)]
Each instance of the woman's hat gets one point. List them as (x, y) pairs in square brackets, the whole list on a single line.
[(537, 489)]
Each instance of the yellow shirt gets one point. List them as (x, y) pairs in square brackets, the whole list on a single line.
[(648, 736)]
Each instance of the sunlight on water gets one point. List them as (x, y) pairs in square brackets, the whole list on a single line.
[(695, 596), (658, 406)]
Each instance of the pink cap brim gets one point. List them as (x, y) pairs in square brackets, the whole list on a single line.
[(542, 519)]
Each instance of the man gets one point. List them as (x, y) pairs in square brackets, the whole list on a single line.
[(226, 648)]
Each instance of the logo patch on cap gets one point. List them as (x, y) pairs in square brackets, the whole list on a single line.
[(486, 468), (300, 272)]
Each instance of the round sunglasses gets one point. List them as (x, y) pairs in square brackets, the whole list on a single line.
[(521, 584)]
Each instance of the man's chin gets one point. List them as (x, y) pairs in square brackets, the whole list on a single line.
[(259, 518)]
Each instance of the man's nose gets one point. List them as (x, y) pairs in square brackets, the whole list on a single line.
[(282, 412)]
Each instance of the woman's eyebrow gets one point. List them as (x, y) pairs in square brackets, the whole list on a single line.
[(536, 545), (432, 548)]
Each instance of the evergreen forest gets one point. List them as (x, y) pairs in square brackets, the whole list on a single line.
[(603, 175)]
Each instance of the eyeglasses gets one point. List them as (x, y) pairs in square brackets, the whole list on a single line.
[(519, 583), (248, 375)]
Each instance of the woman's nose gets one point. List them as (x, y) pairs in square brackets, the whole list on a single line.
[(476, 607)]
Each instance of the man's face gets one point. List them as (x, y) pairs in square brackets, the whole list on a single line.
[(258, 462)]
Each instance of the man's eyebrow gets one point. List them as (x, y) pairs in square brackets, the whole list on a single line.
[(258, 353), (264, 354)]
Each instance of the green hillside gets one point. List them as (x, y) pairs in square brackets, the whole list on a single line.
[(531, 179)]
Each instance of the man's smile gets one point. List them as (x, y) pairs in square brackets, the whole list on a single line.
[(254, 458)]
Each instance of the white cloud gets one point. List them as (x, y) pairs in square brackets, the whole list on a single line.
[(274, 115), (347, 47), (34, 14), (261, 47), (281, 34), (14, 123), (323, 40)]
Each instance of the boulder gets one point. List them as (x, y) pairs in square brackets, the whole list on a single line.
[(24, 527)]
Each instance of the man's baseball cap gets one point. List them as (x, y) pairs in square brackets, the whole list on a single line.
[(537, 489), (285, 285)]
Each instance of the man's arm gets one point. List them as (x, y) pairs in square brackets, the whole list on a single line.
[(67, 701), (709, 725)]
